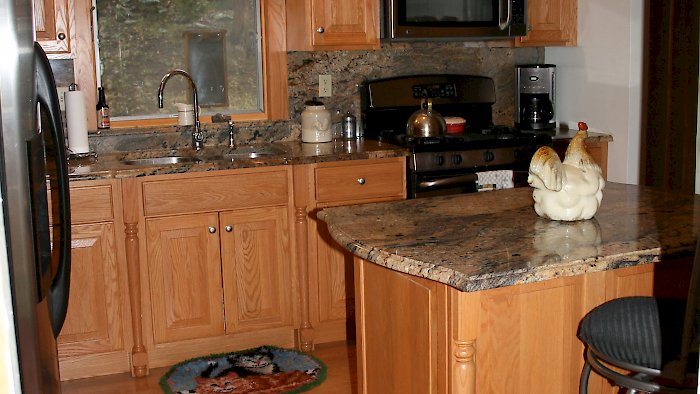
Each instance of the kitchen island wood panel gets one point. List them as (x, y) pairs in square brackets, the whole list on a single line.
[(513, 286)]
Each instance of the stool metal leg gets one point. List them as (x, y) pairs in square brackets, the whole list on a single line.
[(585, 374)]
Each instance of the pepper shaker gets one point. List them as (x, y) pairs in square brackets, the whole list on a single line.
[(349, 124)]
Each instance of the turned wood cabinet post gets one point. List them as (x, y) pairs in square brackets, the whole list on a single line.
[(139, 357), (462, 332), (301, 201)]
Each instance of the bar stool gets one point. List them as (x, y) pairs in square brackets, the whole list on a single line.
[(653, 340)]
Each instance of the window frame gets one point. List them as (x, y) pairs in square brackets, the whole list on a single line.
[(274, 68)]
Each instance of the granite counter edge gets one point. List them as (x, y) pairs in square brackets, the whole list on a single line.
[(465, 283)]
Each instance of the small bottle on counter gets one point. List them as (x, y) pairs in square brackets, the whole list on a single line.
[(349, 125), (102, 110)]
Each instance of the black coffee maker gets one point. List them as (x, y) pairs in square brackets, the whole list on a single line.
[(535, 101)]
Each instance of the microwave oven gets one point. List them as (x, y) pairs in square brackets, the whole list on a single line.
[(407, 20)]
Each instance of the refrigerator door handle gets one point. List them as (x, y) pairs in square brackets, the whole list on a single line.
[(47, 97)]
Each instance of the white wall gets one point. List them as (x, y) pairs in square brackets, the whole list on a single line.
[(599, 80)]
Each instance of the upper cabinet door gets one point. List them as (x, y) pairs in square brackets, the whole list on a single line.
[(550, 23), (332, 24), (51, 23), (344, 23)]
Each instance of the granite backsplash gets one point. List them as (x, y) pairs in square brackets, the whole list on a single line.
[(348, 69)]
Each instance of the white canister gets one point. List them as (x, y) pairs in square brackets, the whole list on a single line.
[(315, 123)]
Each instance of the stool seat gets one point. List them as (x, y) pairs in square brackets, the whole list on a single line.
[(643, 331), (642, 335)]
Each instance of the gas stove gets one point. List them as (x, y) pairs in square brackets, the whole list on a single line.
[(448, 163)]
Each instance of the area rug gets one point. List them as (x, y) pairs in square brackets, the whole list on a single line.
[(265, 369)]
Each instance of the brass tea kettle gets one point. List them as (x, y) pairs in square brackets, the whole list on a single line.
[(426, 122)]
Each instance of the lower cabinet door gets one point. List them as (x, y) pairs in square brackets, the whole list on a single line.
[(256, 262), (184, 269), (94, 321)]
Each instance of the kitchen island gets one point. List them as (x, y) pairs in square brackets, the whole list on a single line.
[(476, 293)]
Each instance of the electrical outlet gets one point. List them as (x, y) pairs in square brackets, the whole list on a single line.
[(325, 86), (62, 97)]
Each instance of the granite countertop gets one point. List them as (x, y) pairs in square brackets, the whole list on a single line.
[(112, 165), (492, 239), (563, 135)]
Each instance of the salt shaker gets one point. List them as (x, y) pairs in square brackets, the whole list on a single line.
[(349, 124)]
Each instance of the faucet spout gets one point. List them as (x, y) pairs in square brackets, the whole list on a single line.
[(197, 134)]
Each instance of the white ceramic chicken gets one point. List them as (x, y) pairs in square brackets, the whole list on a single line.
[(568, 190)]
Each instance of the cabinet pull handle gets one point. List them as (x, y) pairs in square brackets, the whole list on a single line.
[(361, 181), (320, 30), (212, 229), (61, 36), (229, 229)]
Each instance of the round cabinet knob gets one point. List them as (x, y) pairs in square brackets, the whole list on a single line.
[(361, 181), (61, 36), (228, 229), (212, 229), (320, 30), (489, 156), (439, 160)]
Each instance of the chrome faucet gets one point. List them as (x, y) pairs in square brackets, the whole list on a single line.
[(197, 134)]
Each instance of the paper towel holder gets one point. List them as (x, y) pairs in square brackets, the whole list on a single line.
[(72, 156)]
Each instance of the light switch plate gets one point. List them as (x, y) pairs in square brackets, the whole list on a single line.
[(62, 97), (325, 86)]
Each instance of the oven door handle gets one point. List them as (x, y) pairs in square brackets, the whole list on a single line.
[(447, 182)]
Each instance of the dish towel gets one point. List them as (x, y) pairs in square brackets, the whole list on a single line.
[(494, 180)]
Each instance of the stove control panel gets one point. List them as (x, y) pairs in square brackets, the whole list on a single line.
[(439, 90), (468, 159)]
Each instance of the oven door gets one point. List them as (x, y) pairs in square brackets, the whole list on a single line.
[(432, 184)]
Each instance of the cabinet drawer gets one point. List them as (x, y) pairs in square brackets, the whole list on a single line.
[(91, 204), (215, 193), (358, 182)]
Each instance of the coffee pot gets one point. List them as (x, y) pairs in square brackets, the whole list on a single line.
[(535, 105), (536, 109)]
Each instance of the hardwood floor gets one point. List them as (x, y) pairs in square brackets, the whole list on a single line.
[(339, 357)]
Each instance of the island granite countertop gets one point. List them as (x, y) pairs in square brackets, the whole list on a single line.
[(479, 241)]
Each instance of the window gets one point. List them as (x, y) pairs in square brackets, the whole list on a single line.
[(231, 49)]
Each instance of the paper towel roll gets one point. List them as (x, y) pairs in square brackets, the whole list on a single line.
[(76, 122)]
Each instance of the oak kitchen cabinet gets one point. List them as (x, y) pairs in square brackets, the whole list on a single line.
[(332, 24), (470, 345), (329, 266), (96, 339), (52, 23), (550, 23), (217, 272)]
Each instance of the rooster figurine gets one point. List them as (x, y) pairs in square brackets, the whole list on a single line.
[(569, 190)]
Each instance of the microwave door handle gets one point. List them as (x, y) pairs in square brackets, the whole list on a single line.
[(504, 24)]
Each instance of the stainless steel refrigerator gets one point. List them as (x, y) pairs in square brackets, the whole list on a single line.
[(36, 207)]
